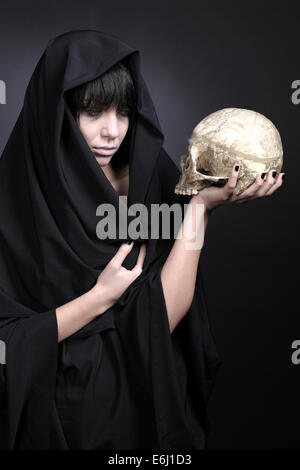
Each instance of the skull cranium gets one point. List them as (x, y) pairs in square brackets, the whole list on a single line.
[(224, 138)]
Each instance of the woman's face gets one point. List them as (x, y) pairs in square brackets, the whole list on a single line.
[(103, 132)]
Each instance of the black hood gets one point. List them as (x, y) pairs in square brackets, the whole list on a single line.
[(51, 183)]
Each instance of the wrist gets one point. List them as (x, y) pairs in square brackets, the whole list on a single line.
[(199, 199), (100, 298)]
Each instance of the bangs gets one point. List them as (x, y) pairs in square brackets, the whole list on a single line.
[(114, 89)]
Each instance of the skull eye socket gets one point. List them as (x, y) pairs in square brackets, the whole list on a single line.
[(204, 162)]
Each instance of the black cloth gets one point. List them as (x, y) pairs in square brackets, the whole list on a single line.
[(122, 381)]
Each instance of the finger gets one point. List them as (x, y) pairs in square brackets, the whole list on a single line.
[(276, 185), (232, 180), (121, 254), (252, 190), (141, 257), (269, 181)]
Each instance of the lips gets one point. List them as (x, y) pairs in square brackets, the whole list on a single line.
[(104, 150)]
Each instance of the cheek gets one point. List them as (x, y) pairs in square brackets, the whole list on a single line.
[(87, 130), (125, 127)]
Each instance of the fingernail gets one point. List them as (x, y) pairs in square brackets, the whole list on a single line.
[(274, 174), (283, 176), (129, 242), (263, 175), (236, 168)]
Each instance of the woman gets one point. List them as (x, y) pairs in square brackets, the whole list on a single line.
[(108, 344)]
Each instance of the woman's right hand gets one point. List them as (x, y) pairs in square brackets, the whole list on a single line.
[(114, 279), (264, 185)]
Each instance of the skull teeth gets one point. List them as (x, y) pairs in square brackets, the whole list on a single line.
[(187, 191)]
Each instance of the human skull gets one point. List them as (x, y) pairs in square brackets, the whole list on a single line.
[(224, 138)]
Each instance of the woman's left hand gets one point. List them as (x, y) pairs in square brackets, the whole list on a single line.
[(263, 186)]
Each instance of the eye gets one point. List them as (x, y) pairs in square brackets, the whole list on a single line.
[(124, 113), (92, 112)]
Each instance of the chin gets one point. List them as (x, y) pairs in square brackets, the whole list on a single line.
[(103, 161)]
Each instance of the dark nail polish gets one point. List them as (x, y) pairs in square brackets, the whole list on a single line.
[(236, 168), (263, 175), (283, 176), (128, 242), (274, 174)]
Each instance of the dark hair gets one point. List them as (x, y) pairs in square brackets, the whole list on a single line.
[(115, 88)]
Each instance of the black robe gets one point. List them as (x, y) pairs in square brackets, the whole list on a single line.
[(122, 381)]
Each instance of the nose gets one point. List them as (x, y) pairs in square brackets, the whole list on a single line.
[(110, 125)]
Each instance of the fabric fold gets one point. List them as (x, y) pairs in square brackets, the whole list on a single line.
[(176, 370), (30, 372)]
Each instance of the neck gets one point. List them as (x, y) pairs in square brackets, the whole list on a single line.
[(115, 175)]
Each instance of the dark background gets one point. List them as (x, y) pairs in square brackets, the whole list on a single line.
[(198, 57)]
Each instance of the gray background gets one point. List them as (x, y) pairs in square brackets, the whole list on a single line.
[(198, 57)]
